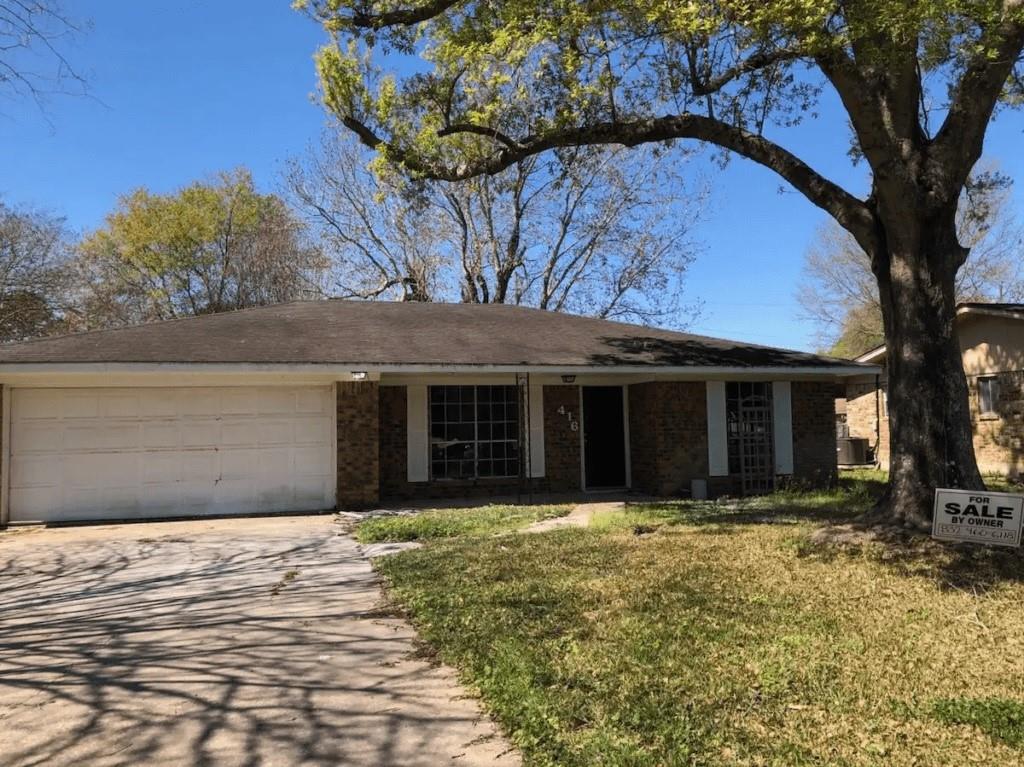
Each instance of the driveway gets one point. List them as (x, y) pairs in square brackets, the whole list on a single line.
[(221, 642)]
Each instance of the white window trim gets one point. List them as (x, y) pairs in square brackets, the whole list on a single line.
[(417, 434), (991, 414), (718, 439), (782, 426)]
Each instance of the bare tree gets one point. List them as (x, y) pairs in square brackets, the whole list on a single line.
[(210, 247), (839, 292), (33, 37), (385, 238), (33, 259), (597, 232)]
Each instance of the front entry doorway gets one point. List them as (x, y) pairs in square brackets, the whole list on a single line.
[(604, 437)]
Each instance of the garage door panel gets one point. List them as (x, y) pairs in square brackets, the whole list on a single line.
[(201, 402), (240, 402), (159, 403), (315, 431), (161, 468), (200, 433), (99, 470), (119, 405), (36, 403), (277, 402), (312, 402), (78, 405), (33, 471), (161, 434), (38, 436), (275, 431), (121, 453), (238, 463), (239, 431)]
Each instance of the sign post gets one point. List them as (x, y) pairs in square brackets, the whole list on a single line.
[(974, 516)]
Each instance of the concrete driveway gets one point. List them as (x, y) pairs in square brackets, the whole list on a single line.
[(226, 642)]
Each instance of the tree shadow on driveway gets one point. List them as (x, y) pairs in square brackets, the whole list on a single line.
[(245, 644)]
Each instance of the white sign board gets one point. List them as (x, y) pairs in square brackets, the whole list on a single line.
[(978, 517)]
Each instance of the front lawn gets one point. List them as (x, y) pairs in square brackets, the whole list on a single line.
[(449, 523), (692, 634)]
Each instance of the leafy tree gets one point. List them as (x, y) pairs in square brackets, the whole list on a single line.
[(491, 83), (33, 260), (600, 232), (840, 294), (210, 247)]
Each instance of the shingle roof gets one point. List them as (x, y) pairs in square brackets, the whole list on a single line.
[(380, 333)]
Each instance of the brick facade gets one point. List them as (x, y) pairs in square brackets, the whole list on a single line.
[(814, 433), (866, 418), (999, 438), (358, 444), (561, 453), (668, 443), (562, 445), (668, 435)]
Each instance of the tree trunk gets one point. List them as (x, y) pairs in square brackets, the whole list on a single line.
[(930, 434)]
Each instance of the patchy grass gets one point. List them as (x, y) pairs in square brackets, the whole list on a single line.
[(1002, 719), (449, 523), (688, 633), (874, 480)]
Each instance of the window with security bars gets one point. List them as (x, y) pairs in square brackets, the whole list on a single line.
[(474, 432), (749, 424)]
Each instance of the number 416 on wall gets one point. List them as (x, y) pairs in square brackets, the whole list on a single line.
[(573, 424)]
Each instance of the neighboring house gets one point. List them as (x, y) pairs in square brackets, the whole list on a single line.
[(992, 343), (316, 405)]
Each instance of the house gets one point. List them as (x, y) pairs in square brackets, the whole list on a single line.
[(323, 404), (992, 343)]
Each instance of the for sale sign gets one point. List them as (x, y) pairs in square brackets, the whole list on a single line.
[(978, 517)]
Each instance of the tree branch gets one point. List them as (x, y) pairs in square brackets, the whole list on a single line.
[(756, 61), (852, 213), (397, 17), (958, 144)]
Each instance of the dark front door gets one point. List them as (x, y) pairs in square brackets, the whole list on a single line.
[(604, 437)]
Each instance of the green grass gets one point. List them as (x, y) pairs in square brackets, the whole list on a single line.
[(449, 523), (1002, 719), (691, 634), (874, 480)]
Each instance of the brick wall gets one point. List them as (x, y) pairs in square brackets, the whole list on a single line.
[(668, 435), (561, 443), (999, 439), (561, 453), (862, 407), (358, 444), (814, 432)]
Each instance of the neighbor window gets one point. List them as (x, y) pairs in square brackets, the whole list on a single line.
[(988, 392), (474, 432)]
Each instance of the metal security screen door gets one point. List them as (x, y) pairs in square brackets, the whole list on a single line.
[(751, 454)]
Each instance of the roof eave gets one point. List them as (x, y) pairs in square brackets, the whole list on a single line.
[(346, 370)]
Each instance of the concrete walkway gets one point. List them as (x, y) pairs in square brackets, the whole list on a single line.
[(580, 516), (230, 642)]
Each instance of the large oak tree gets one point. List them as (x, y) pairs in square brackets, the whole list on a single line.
[(491, 82)]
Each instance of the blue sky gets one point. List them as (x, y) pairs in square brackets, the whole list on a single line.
[(181, 90)]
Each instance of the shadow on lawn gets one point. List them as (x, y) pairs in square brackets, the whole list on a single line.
[(839, 533)]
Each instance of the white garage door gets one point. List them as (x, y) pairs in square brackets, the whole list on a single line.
[(79, 454)]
